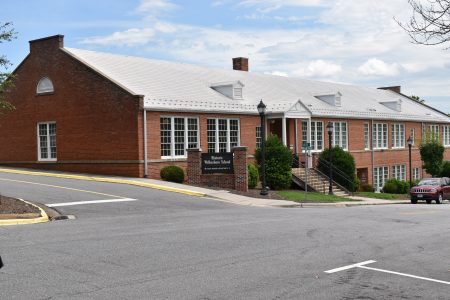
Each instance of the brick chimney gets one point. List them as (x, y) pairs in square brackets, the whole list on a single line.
[(396, 88), (240, 64), (48, 43)]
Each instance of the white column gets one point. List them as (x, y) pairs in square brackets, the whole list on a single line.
[(283, 132)]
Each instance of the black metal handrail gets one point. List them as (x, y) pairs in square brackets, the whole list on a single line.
[(339, 173)]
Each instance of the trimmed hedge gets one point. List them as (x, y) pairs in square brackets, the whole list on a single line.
[(172, 174), (253, 176), (395, 186), (278, 163)]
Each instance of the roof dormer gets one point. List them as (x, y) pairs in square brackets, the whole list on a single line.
[(232, 90), (331, 98), (394, 105)]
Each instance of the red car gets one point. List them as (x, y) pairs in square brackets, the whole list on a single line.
[(429, 189)]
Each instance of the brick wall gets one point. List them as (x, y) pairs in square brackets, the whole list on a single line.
[(237, 181), (96, 121)]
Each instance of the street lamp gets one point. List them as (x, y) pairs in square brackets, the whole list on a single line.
[(410, 142), (330, 158), (262, 114)]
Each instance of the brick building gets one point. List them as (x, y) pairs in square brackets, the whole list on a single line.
[(92, 112)]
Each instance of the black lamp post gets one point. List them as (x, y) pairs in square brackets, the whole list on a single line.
[(410, 142), (330, 158), (262, 114)]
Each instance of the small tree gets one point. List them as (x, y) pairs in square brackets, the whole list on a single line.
[(432, 155), (278, 163), (342, 161), (7, 33)]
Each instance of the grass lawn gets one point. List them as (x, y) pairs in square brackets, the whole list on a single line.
[(383, 196), (299, 196)]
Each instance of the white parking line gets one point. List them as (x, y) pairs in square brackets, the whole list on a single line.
[(90, 202), (361, 265)]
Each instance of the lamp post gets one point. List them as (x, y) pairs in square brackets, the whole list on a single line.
[(262, 114), (330, 158), (410, 142)]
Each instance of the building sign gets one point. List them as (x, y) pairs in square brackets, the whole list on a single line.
[(217, 163)]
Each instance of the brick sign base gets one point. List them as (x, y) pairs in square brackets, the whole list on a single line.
[(236, 181)]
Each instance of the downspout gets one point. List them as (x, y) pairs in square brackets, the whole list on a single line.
[(145, 144), (373, 153)]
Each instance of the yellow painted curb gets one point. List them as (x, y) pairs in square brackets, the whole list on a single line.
[(108, 180), (42, 219)]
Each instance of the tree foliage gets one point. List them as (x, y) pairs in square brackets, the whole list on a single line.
[(344, 167), (429, 23), (278, 163), (7, 34), (432, 155), (417, 98)]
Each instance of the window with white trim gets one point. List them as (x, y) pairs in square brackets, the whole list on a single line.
[(366, 136), (416, 173), (304, 131), (223, 134), (45, 85), (446, 135), (430, 132), (380, 136), (380, 176), (177, 135), (412, 135), (398, 136), (46, 141), (316, 135), (339, 136), (399, 172), (258, 137)]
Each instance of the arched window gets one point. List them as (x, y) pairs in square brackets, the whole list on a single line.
[(45, 85)]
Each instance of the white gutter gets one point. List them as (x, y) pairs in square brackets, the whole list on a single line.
[(145, 144)]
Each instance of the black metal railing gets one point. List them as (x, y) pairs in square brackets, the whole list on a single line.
[(340, 178)]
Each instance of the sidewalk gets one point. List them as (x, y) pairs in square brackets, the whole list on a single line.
[(220, 195)]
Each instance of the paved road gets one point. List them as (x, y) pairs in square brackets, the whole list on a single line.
[(172, 246)]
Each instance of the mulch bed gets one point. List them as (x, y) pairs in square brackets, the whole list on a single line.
[(11, 208)]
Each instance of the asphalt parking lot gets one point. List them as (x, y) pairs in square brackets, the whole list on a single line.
[(163, 245)]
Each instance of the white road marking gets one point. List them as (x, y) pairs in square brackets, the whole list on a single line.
[(361, 265), (90, 202), (350, 266)]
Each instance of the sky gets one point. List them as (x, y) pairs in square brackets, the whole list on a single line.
[(347, 41)]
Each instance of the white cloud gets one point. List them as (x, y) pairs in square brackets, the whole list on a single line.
[(130, 38), (272, 5), (377, 67), (319, 68), (155, 6)]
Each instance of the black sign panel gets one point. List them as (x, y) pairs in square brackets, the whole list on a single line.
[(217, 163)]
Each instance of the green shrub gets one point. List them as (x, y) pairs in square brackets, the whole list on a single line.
[(278, 163), (172, 174), (253, 176), (365, 187), (432, 154), (445, 169), (342, 161), (395, 186)]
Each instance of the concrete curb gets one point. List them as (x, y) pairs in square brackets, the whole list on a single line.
[(107, 180), (42, 219)]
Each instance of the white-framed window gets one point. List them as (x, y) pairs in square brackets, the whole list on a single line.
[(416, 173), (223, 134), (177, 135), (430, 132), (46, 134), (316, 134), (45, 85), (380, 136), (340, 135), (366, 136), (412, 135), (258, 137), (399, 172), (398, 136), (380, 176), (446, 135)]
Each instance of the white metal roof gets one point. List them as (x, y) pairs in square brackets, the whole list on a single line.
[(182, 87)]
